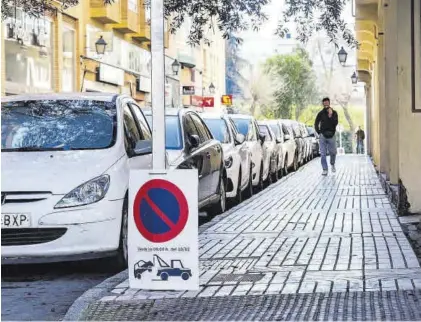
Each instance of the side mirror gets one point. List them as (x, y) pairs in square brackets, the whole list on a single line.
[(287, 137), (262, 138), (143, 147), (194, 141), (278, 140), (239, 139)]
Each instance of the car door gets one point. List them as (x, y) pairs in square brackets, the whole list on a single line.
[(213, 154), (196, 157), (134, 134)]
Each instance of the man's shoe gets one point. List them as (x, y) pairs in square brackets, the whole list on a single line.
[(333, 169), (324, 173)]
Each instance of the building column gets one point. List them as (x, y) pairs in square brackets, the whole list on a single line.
[(383, 165), (3, 62), (58, 52), (368, 127), (391, 90)]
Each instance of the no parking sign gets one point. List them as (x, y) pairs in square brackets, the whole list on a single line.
[(163, 230)]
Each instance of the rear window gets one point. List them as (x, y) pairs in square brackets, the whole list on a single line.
[(242, 126), (219, 129), (58, 125), (265, 130)]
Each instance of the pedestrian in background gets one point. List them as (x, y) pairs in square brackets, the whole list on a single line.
[(325, 125), (360, 136)]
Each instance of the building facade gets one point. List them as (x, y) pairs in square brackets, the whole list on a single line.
[(389, 62)]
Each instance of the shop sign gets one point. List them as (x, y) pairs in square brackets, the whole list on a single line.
[(188, 90), (111, 75), (226, 100), (168, 95), (145, 84), (208, 102), (196, 100)]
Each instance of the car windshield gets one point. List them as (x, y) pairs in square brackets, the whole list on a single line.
[(264, 130), (276, 130), (173, 139), (219, 129), (242, 125), (310, 130), (57, 125)]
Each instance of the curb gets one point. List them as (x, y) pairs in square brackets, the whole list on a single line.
[(74, 313)]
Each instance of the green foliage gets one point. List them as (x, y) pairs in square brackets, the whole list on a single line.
[(229, 16), (294, 84)]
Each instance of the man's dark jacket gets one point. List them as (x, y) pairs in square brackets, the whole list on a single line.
[(326, 125)]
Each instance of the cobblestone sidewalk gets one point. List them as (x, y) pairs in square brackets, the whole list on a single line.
[(308, 247)]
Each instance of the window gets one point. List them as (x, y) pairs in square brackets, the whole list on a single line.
[(276, 130), (144, 128), (132, 5), (189, 126), (68, 71), (265, 131), (130, 127), (219, 129), (204, 134)]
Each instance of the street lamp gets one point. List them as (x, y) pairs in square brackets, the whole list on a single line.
[(212, 88), (342, 56), (100, 45), (354, 78), (175, 67)]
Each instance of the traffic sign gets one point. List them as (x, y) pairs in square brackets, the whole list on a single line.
[(160, 210), (163, 230)]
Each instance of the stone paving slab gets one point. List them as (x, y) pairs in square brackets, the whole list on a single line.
[(306, 239)]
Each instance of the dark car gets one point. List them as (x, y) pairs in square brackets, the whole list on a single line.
[(191, 145), (315, 140)]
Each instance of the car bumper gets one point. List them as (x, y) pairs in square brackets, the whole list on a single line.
[(94, 233), (232, 174)]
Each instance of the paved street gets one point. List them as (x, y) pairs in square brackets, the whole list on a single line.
[(45, 292), (308, 247)]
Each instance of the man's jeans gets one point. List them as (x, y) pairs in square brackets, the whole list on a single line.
[(360, 146), (327, 145)]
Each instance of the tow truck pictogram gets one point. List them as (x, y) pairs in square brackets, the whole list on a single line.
[(176, 269)]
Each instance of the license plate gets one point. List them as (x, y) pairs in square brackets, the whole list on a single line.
[(15, 221)]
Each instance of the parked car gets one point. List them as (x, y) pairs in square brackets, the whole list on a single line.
[(191, 145), (274, 145), (247, 126), (290, 148), (299, 141), (65, 175), (315, 140), (236, 153), (308, 143)]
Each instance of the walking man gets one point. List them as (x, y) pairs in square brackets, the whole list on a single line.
[(325, 125), (360, 136)]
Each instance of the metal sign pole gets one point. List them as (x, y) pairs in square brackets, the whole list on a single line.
[(158, 85)]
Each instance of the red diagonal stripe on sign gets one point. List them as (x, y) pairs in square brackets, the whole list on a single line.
[(158, 211)]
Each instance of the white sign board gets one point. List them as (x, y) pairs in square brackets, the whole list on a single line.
[(163, 230), (110, 74)]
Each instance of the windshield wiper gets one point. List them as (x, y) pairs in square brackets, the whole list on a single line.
[(32, 148)]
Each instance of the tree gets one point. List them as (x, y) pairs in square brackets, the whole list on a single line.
[(294, 83), (230, 16)]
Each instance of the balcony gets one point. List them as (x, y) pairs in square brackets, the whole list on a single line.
[(105, 13), (144, 34), (130, 13)]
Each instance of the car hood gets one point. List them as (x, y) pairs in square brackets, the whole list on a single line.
[(58, 172)]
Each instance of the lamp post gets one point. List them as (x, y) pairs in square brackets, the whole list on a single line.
[(212, 88), (100, 46), (175, 67), (354, 78), (342, 56)]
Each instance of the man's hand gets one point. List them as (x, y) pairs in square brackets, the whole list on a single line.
[(330, 112)]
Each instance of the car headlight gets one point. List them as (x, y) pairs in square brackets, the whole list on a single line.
[(90, 192), (228, 162)]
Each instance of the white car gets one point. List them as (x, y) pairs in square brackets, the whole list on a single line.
[(289, 148), (65, 175), (236, 155), (247, 126), (277, 133), (271, 153)]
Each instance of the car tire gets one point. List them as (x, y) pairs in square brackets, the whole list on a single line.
[(164, 276), (220, 206), (261, 185), (120, 260), (275, 174), (185, 276), (139, 276), (248, 192), (286, 165), (295, 164), (239, 195)]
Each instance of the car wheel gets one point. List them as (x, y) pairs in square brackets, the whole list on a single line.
[(275, 174), (119, 261), (261, 184), (239, 196), (185, 276), (295, 165), (248, 192), (286, 166), (221, 205), (138, 276), (164, 276)]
